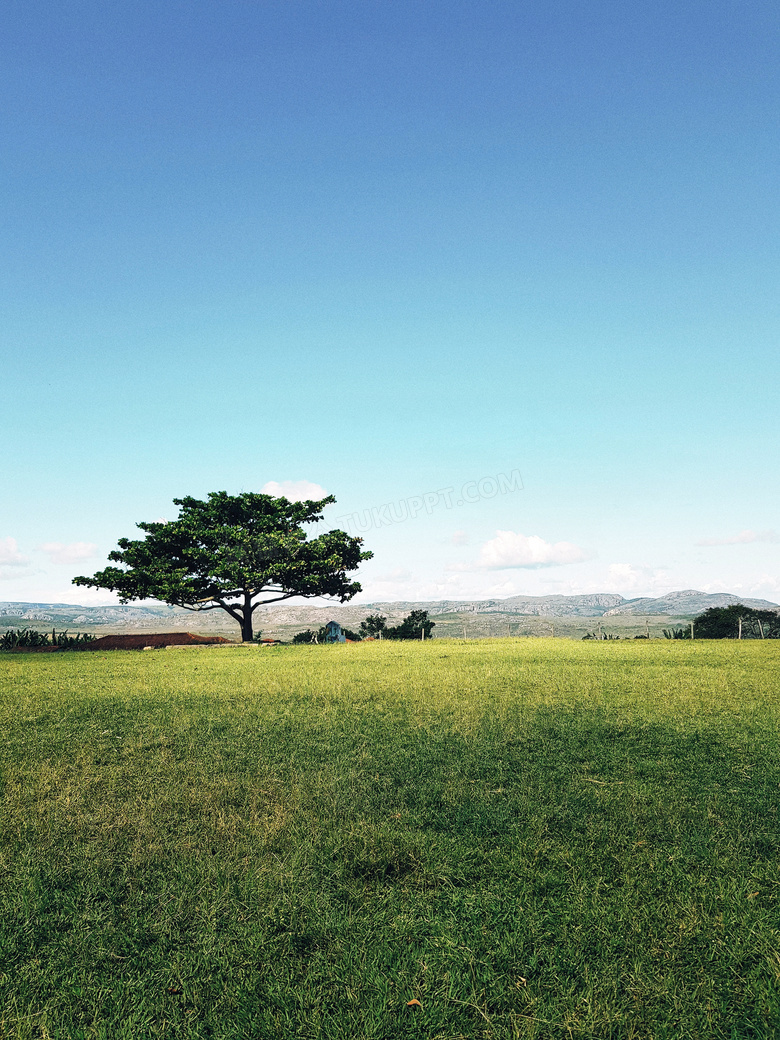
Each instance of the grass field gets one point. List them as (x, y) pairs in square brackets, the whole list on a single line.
[(532, 838)]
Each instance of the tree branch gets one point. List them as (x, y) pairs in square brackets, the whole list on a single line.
[(237, 613), (287, 595), (215, 606), (233, 592)]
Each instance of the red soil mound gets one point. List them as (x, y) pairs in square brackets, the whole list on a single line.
[(33, 650), (156, 639)]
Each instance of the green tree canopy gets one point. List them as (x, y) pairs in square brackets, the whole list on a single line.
[(414, 626), (373, 625), (234, 553), (723, 623)]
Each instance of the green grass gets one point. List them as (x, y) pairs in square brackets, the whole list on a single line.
[(531, 838)]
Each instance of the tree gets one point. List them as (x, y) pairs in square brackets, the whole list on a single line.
[(234, 553), (412, 627), (723, 623), (373, 626)]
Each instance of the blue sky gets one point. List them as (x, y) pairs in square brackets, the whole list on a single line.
[(387, 250)]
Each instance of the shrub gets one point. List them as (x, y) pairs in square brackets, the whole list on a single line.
[(22, 637), (304, 637), (28, 637)]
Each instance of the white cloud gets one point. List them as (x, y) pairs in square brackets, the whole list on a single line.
[(627, 578), (13, 564), (763, 586), (743, 538), (294, 490), (460, 538), (10, 555), (766, 586), (720, 585), (512, 549), (411, 584), (58, 552), (397, 574)]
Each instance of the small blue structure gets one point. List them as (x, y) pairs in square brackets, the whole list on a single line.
[(333, 633)]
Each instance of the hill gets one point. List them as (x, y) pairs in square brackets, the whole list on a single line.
[(688, 602), (570, 616)]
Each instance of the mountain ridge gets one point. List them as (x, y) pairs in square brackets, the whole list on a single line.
[(687, 602)]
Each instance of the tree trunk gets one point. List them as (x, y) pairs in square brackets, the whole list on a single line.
[(246, 619)]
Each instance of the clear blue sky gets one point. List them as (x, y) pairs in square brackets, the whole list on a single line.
[(391, 248)]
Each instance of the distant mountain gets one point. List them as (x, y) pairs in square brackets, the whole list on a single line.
[(592, 605), (75, 614), (687, 602), (160, 617)]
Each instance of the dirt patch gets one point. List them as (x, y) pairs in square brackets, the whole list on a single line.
[(155, 639), (34, 650)]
